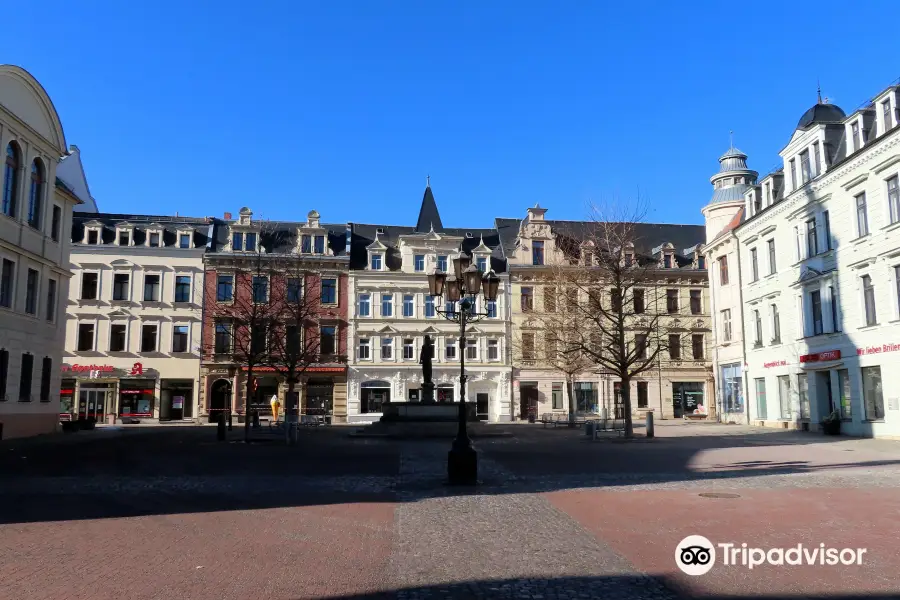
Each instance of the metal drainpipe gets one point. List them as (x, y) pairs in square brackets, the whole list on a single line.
[(737, 245), (712, 308), (508, 336)]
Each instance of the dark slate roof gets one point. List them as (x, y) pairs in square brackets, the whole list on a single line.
[(429, 217), (821, 113), (171, 225), (389, 235), (649, 236), (280, 237)]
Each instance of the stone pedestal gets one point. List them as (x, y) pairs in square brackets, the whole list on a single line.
[(428, 392)]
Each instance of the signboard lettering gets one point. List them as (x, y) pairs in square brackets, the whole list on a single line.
[(88, 368), (821, 356), (877, 349), (775, 363)]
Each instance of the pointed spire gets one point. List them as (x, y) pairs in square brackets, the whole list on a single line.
[(819, 90), (731, 140), (428, 181), (428, 214)]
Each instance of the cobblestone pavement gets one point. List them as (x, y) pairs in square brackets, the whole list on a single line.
[(171, 514)]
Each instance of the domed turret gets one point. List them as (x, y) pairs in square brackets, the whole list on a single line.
[(821, 113), (730, 183)]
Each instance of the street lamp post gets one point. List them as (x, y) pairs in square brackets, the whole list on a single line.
[(463, 288)]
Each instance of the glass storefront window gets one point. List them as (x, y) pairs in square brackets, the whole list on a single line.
[(557, 396), (784, 395), (761, 411), (374, 395), (732, 390), (872, 393), (586, 397), (844, 388), (803, 394)]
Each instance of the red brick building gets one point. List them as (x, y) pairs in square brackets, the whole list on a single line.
[(255, 271)]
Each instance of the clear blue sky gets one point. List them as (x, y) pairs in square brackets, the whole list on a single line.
[(346, 106)]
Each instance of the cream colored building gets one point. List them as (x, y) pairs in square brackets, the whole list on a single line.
[(36, 204), (134, 317), (674, 387)]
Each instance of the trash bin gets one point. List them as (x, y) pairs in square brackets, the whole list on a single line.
[(589, 428)]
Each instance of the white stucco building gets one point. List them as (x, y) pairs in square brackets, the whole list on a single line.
[(391, 312), (37, 196), (134, 317), (818, 253)]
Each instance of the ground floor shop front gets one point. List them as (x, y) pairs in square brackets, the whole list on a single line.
[(107, 393), (668, 394), (320, 391), (855, 379), (370, 388)]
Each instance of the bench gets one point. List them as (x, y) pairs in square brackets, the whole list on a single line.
[(561, 419), (616, 425)]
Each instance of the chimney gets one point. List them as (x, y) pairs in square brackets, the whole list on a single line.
[(228, 216), (536, 213)]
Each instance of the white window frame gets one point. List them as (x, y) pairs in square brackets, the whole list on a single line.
[(144, 285), (127, 230), (865, 197), (37, 292), (894, 278), (78, 324), (412, 304), (81, 297), (433, 307), (359, 298), (413, 346), (387, 341), (367, 345), (448, 342), (158, 326), (381, 256), (863, 317), (127, 324), (727, 326), (130, 293), (416, 268), (775, 327), (190, 277), (887, 201), (189, 336), (55, 316), (495, 344), (381, 305), (149, 234), (337, 288), (472, 343), (187, 232), (87, 231)]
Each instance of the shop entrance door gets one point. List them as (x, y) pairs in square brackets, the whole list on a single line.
[(92, 404), (482, 401)]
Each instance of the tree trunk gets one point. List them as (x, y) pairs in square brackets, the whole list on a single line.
[(247, 416), (290, 431), (626, 406), (573, 403)]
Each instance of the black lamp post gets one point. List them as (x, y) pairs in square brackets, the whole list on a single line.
[(463, 287)]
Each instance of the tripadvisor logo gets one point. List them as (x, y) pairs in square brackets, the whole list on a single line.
[(696, 555)]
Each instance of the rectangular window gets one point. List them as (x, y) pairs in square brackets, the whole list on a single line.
[(696, 302), (537, 253), (184, 240), (726, 325), (429, 306), (364, 349), (260, 289), (121, 286), (761, 411), (409, 349), (154, 240), (804, 166), (527, 299), (117, 337), (835, 325), (46, 374), (556, 395), (815, 301), (471, 349), (294, 289), (872, 393), (90, 283), (387, 305), (306, 244), (667, 261), (549, 299), (817, 159), (697, 346), (773, 261), (803, 394), (869, 300), (776, 324), (492, 309), (862, 216), (642, 394), (51, 300), (237, 241), (450, 349), (812, 242), (151, 288), (844, 391), (856, 141), (638, 302), (376, 262), (250, 242), (893, 189), (293, 343), (4, 373), (701, 262), (93, 236), (826, 218), (408, 305), (723, 270), (148, 337), (886, 112), (615, 300), (493, 349), (25, 373), (31, 292), (442, 264), (450, 308), (224, 288), (797, 236), (329, 291), (259, 338), (754, 265), (672, 301), (640, 346), (327, 340), (180, 338), (320, 244), (675, 347), (6, 283), (223, 338), (85, 337), (793, 174), (183, 288), (364, 305), (481, 264), (55, 223), (419, 263), (528, 346), (784, 396), (757, 328), (586, 397), (897, 280)]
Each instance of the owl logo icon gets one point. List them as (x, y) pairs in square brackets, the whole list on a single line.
[(695, 555)]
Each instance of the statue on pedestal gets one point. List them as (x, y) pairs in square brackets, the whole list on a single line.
[(425, 358)]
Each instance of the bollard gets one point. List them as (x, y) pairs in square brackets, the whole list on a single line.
[(255, 419), (650, 424), (220, 428)]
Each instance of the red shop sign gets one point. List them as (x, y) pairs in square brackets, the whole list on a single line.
[(135, 392), (821, 356)]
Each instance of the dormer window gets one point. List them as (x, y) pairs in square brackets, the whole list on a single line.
[(250, 242), (857, 142), (757, 203), (537, 253), (305, 244), (701, 262), (768, 189), (887, 114), (124, 237), (481, 264), (376, 262), (667, 260), (804, 166), (184, 239), (320, 244), (237, 241), (93, 236), (153, 239), (793, 164), (817, 159)]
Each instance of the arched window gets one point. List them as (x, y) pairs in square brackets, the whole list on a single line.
[(10, 179), (36, 194)]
